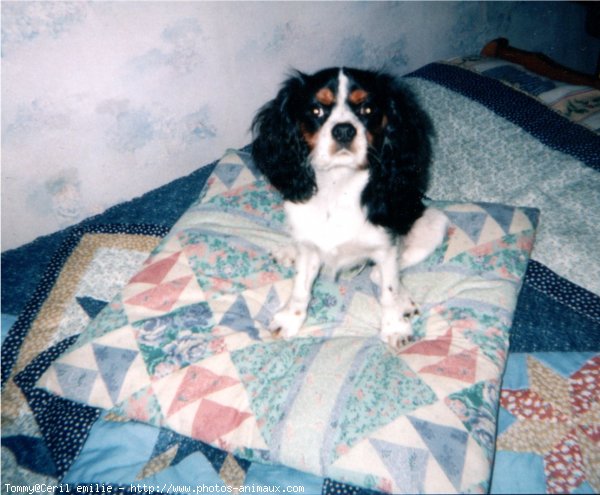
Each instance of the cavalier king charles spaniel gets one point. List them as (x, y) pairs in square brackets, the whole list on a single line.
[(349, 150)]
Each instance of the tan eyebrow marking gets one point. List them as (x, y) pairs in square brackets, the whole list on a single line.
[(325, 96), (358, 96)]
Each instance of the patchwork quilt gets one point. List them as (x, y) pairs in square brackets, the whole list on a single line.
[(184, 346)]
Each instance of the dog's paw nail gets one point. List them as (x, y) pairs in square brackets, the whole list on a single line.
[(397, 342), (411, 311)]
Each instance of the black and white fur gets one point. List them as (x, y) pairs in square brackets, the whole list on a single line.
[(349, 151)]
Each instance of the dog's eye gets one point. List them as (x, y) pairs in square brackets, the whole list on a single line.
[(317, 111), (366, 110)]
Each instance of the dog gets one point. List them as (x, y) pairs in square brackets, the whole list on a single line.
[(349, 151)]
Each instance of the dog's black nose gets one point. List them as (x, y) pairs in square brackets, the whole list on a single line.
[(343, 133)]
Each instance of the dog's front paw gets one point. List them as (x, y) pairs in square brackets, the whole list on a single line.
[(396, 326), (396, 331), (287, 323), (285, 255), (397, 341)]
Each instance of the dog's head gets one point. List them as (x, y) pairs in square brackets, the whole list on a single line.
[(341, 117), (340, 114)]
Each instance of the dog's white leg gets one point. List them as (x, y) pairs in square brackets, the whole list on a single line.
[(397, 308), (288, 321), (425, 236)]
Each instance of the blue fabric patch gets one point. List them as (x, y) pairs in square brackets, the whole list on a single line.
[(239, 319), (393, 456), (515, 374), (584, 488), (105, 456), (564, 363), (114, 364), (448, 446), (91, 306), (7, 323), (505, 420), (471, 223), (75, 381), (504, 215), (518, 473), (228, 173)]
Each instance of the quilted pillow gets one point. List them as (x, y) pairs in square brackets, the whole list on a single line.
[(185, 346)]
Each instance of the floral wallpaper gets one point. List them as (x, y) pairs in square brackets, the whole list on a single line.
[(103, 101)]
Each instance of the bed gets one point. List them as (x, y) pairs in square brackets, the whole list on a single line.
[(135, 356)]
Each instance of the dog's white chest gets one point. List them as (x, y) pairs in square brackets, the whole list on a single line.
[(334, 221)]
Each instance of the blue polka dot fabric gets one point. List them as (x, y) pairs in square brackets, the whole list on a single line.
[(564, 292), (331, 487), (553, 314)]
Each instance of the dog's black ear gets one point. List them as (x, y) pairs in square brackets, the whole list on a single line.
[(398, 160), (279, 150)]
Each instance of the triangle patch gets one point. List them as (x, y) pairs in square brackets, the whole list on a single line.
[(213, 420), (228, 173), (238, 318), (435, 347), (503, 215), (490, 232), (197, 383), (459, 243), (113, 363), (470, 222), (250, 165), (461, 366), (523, 220), (271, 305), (76, 383), (162, 297), (407, 465), (91, 306), (532, 215), (156, 272), (142, 406), (447, 445)]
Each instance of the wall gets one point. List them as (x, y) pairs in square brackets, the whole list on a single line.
[(104, 101)]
